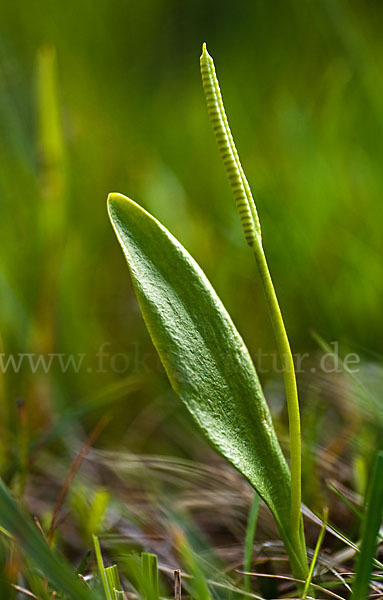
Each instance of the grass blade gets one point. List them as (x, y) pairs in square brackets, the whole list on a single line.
[(113, 579), (370, 530), (199, 587), (150, 575), (316, 553), (101, 569), (62, 576), (249, 541)]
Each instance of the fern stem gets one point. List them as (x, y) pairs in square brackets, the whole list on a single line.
[(252, 230), (290, 385)]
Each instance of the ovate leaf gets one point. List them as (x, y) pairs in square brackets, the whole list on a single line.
[(205, 358)]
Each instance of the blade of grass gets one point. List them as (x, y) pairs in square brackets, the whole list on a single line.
[(332, 486), (232, 589), (300, 582), (25, 592), (199, 585), (53, 186), (370, 530), (150, 573), (249, 540), (113, 580), (51, 141), (84, 562), (22, 447), (30, 541), (316, 553), (101, 569)]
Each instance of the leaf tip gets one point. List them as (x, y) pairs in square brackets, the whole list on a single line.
[(114, 198), (205, 54), (116, 202)]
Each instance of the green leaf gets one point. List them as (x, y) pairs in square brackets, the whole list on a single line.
[(149, 564), (204, 356), (30, 540), (249, 540), (370, 530), (114, 583), (102, 571)]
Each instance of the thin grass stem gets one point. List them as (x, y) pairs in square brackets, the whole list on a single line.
[(316, 554), (249, 541)]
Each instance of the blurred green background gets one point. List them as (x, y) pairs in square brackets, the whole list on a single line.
[(105, 95)]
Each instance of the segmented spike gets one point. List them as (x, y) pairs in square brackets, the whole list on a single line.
[(239, 184)]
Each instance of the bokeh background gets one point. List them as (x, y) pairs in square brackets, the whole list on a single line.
[(105, 95)]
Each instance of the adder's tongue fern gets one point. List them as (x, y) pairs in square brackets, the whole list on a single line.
[(252, 230), (241, 189)]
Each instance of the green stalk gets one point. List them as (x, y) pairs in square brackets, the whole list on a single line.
[(252, 231), (249, 541), (316, 554), (370, 532), (101, 569), (290, 385)]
